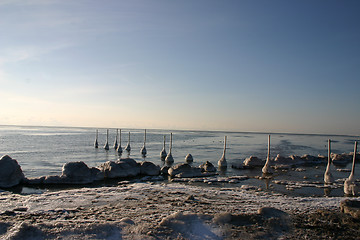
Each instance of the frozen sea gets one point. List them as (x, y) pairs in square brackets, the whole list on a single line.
[(202, 208), (43, 150)]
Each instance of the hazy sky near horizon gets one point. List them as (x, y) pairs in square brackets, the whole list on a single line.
[(243, 65)]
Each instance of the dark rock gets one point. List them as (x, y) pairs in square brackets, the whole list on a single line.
[(179, 168), (120, 169), (164, 170), (149, 169), (10, 172), (189, 158), (96, 174), (351, 207), (54, 179), (253, 162), (184, 170), (76, 173), (207, 167), (129, 161), (35, 181)]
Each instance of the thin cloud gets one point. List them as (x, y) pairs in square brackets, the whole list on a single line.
[(23, 53)]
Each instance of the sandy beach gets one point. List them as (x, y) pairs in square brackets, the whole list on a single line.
[(172, 211)]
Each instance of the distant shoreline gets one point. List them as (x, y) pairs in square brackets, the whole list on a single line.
[(187, 130)]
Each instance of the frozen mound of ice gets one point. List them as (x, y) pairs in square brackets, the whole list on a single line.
[(123, 168), (10, 172), (149, 169), (253, 162), (184, 170), (189, 226), (207, 167)]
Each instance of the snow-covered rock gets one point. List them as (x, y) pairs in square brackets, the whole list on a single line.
[(149, 169), (35, 180), (10, 172), (207, 167), (96, 174), (55, 179), (184, 170), (129, 161), (253, 162), (189, 158), (77, 173), (123, 168)]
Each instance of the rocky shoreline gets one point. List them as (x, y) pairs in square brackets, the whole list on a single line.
[(74, 173)]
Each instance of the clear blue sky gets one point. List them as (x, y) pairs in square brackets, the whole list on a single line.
[(273, 66)]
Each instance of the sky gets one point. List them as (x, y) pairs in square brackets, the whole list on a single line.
[(233, 65)]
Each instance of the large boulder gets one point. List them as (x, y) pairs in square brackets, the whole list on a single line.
[(129, 161), (76, 173), (10, 172), (120, 169), (149, 169), (184, 170), (253, 162)]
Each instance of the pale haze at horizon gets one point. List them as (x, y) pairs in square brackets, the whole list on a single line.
[(267, 66)]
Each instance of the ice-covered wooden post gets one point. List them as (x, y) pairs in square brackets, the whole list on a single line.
[(96, 144), (128, 148), (328, 178), (267, 169), (143, 149), (222, 162), (116, 141), (163, 151), (106, 146), (169, 158)]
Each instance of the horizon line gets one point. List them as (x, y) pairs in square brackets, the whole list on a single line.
[(189, 130)]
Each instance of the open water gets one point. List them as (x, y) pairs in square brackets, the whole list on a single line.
[(43, 150)]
